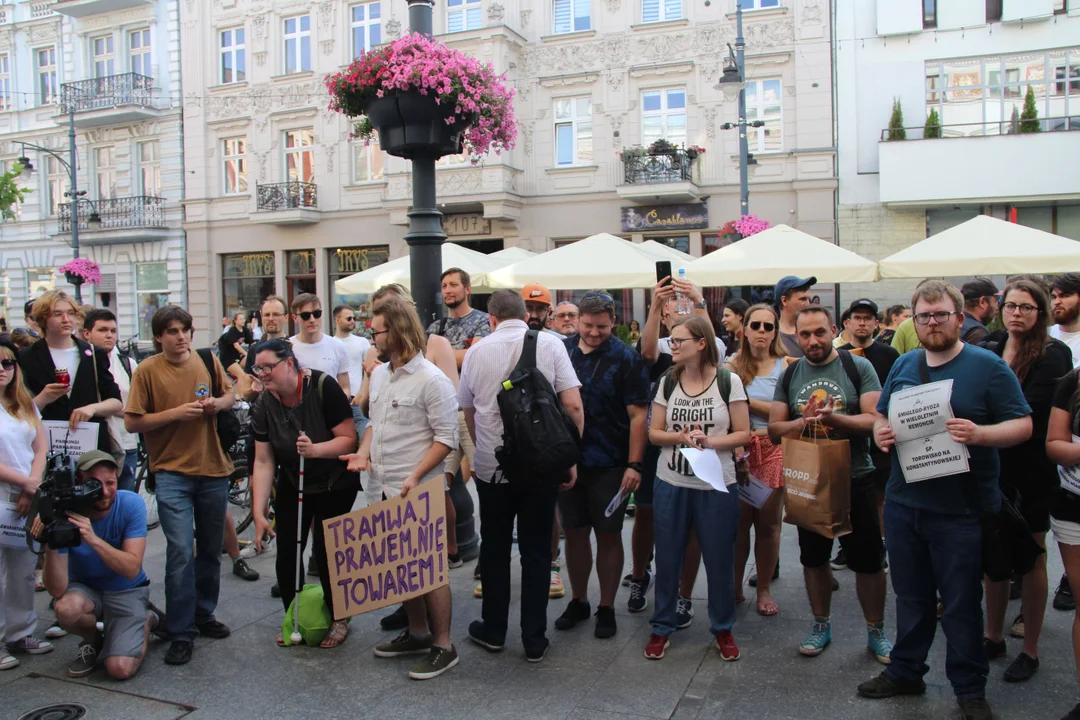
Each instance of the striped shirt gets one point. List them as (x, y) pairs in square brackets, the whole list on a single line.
[(491, 361)]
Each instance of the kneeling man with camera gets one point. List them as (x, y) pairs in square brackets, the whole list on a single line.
[(101, 578)]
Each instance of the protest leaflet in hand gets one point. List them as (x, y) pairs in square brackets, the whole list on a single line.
[(924, 447), (389, 552), (62, 439)]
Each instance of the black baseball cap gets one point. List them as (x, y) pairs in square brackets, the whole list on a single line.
[(978, 288), (864, 304)]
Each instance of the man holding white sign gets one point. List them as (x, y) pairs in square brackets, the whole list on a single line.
[(934, 529)]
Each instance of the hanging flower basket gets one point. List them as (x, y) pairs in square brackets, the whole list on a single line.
[(81, 271), (425, 99)]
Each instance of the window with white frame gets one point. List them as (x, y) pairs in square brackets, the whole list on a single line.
[(104, 56), (368, 159), (366, 27), (663, 116), (463, 15), (300, 155), (232, 56), (5, 84), (234, 172), (763, 102), (151, 293), (105, 172), (48, 89), (571, 15), (297, 44), (57, 179), (139, 51), (758, 4), (660, 10), (149, 155), (573, 131)]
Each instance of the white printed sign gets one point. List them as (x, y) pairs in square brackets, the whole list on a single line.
[(62, 439), (754, 493), (1070, 476), (925, 448), (706, 466), (12, 527)]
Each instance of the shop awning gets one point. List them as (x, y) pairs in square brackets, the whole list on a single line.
[(397, 271), (764, 258), (598, 261), (984, 246)]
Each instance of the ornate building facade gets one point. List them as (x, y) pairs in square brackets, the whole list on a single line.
[(280, 200)]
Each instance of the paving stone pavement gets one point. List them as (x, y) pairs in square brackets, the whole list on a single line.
[(582, 678)]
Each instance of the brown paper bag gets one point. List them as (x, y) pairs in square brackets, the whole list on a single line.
[(817, 484)]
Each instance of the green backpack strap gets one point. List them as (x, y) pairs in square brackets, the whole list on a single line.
[(667, 383), (723, 381), (318, 388)]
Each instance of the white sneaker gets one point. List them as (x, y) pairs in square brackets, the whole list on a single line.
[(8, 661), (249, 552), (55, 631)]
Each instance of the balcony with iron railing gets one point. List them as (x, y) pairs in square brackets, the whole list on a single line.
[(109, 100), (286, 203), (113, 220), (666, 175), (985, 162)]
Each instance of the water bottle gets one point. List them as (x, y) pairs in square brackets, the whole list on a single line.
[(685, 304)]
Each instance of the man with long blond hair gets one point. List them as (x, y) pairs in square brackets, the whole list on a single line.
[(412, 428)]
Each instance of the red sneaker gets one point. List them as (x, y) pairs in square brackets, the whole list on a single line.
[(654, 649), (725, 643)]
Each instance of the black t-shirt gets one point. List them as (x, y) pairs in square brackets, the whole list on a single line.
[(226, 345), (882, 357), (1066, 505)]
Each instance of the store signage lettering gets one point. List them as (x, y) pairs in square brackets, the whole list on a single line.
[(665, 217), (355, 260), (258, 265), (466, 224)]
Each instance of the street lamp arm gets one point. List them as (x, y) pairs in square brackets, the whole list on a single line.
[(60, 158)]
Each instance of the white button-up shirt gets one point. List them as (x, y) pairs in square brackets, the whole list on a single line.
[(491, 361), (410, 408)]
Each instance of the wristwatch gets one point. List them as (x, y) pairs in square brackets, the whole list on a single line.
[(636, 466), (701, 304)]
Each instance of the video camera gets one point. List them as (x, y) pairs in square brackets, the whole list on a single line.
[(61, 492)]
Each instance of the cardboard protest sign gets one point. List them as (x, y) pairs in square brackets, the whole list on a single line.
[(389, 552), (62, 439)]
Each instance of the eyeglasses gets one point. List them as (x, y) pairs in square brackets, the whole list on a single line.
[(1025, 309), (377, 333), (675, 342), (758, 324), (942, 316), (7, 364), (566, 315), (267, 369), (308, 314), (603, 296)]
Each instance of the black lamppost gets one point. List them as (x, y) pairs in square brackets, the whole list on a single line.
[(94, 221), (733, 83), (425, 236)]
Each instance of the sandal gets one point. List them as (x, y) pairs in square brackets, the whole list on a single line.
[(767, 608), (336, 635), (280, 641), (740, 599)]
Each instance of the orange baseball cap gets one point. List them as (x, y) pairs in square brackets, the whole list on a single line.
[(535, 292)]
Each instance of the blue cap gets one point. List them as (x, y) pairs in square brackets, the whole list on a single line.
[(789, 283)]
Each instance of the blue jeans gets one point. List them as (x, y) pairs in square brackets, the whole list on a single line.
[(929, 553), (714, 516), (191, 508), (126, 481)]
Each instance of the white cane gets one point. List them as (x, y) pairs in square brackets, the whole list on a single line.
[(296, 638)]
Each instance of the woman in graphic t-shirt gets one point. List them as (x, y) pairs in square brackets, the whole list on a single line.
[(689, 411), (22, 462), (1062, 449)]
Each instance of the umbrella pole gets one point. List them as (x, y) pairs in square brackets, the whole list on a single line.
[(296, 638)]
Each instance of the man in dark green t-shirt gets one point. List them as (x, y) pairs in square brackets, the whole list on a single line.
[(833, 394)]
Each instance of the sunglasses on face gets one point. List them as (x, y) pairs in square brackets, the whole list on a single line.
[(7, 364), (759, 324), (348, 318), (308, 314)]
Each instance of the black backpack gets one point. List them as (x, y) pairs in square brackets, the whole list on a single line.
[(540, 441), (227, 424)]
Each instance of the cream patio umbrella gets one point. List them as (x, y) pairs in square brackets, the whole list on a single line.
[(674, 255), (601, 260), (984, 246), (397, 271), (512, 254), (764, 258)]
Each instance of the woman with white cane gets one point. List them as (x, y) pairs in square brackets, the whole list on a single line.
[(302, 423)]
